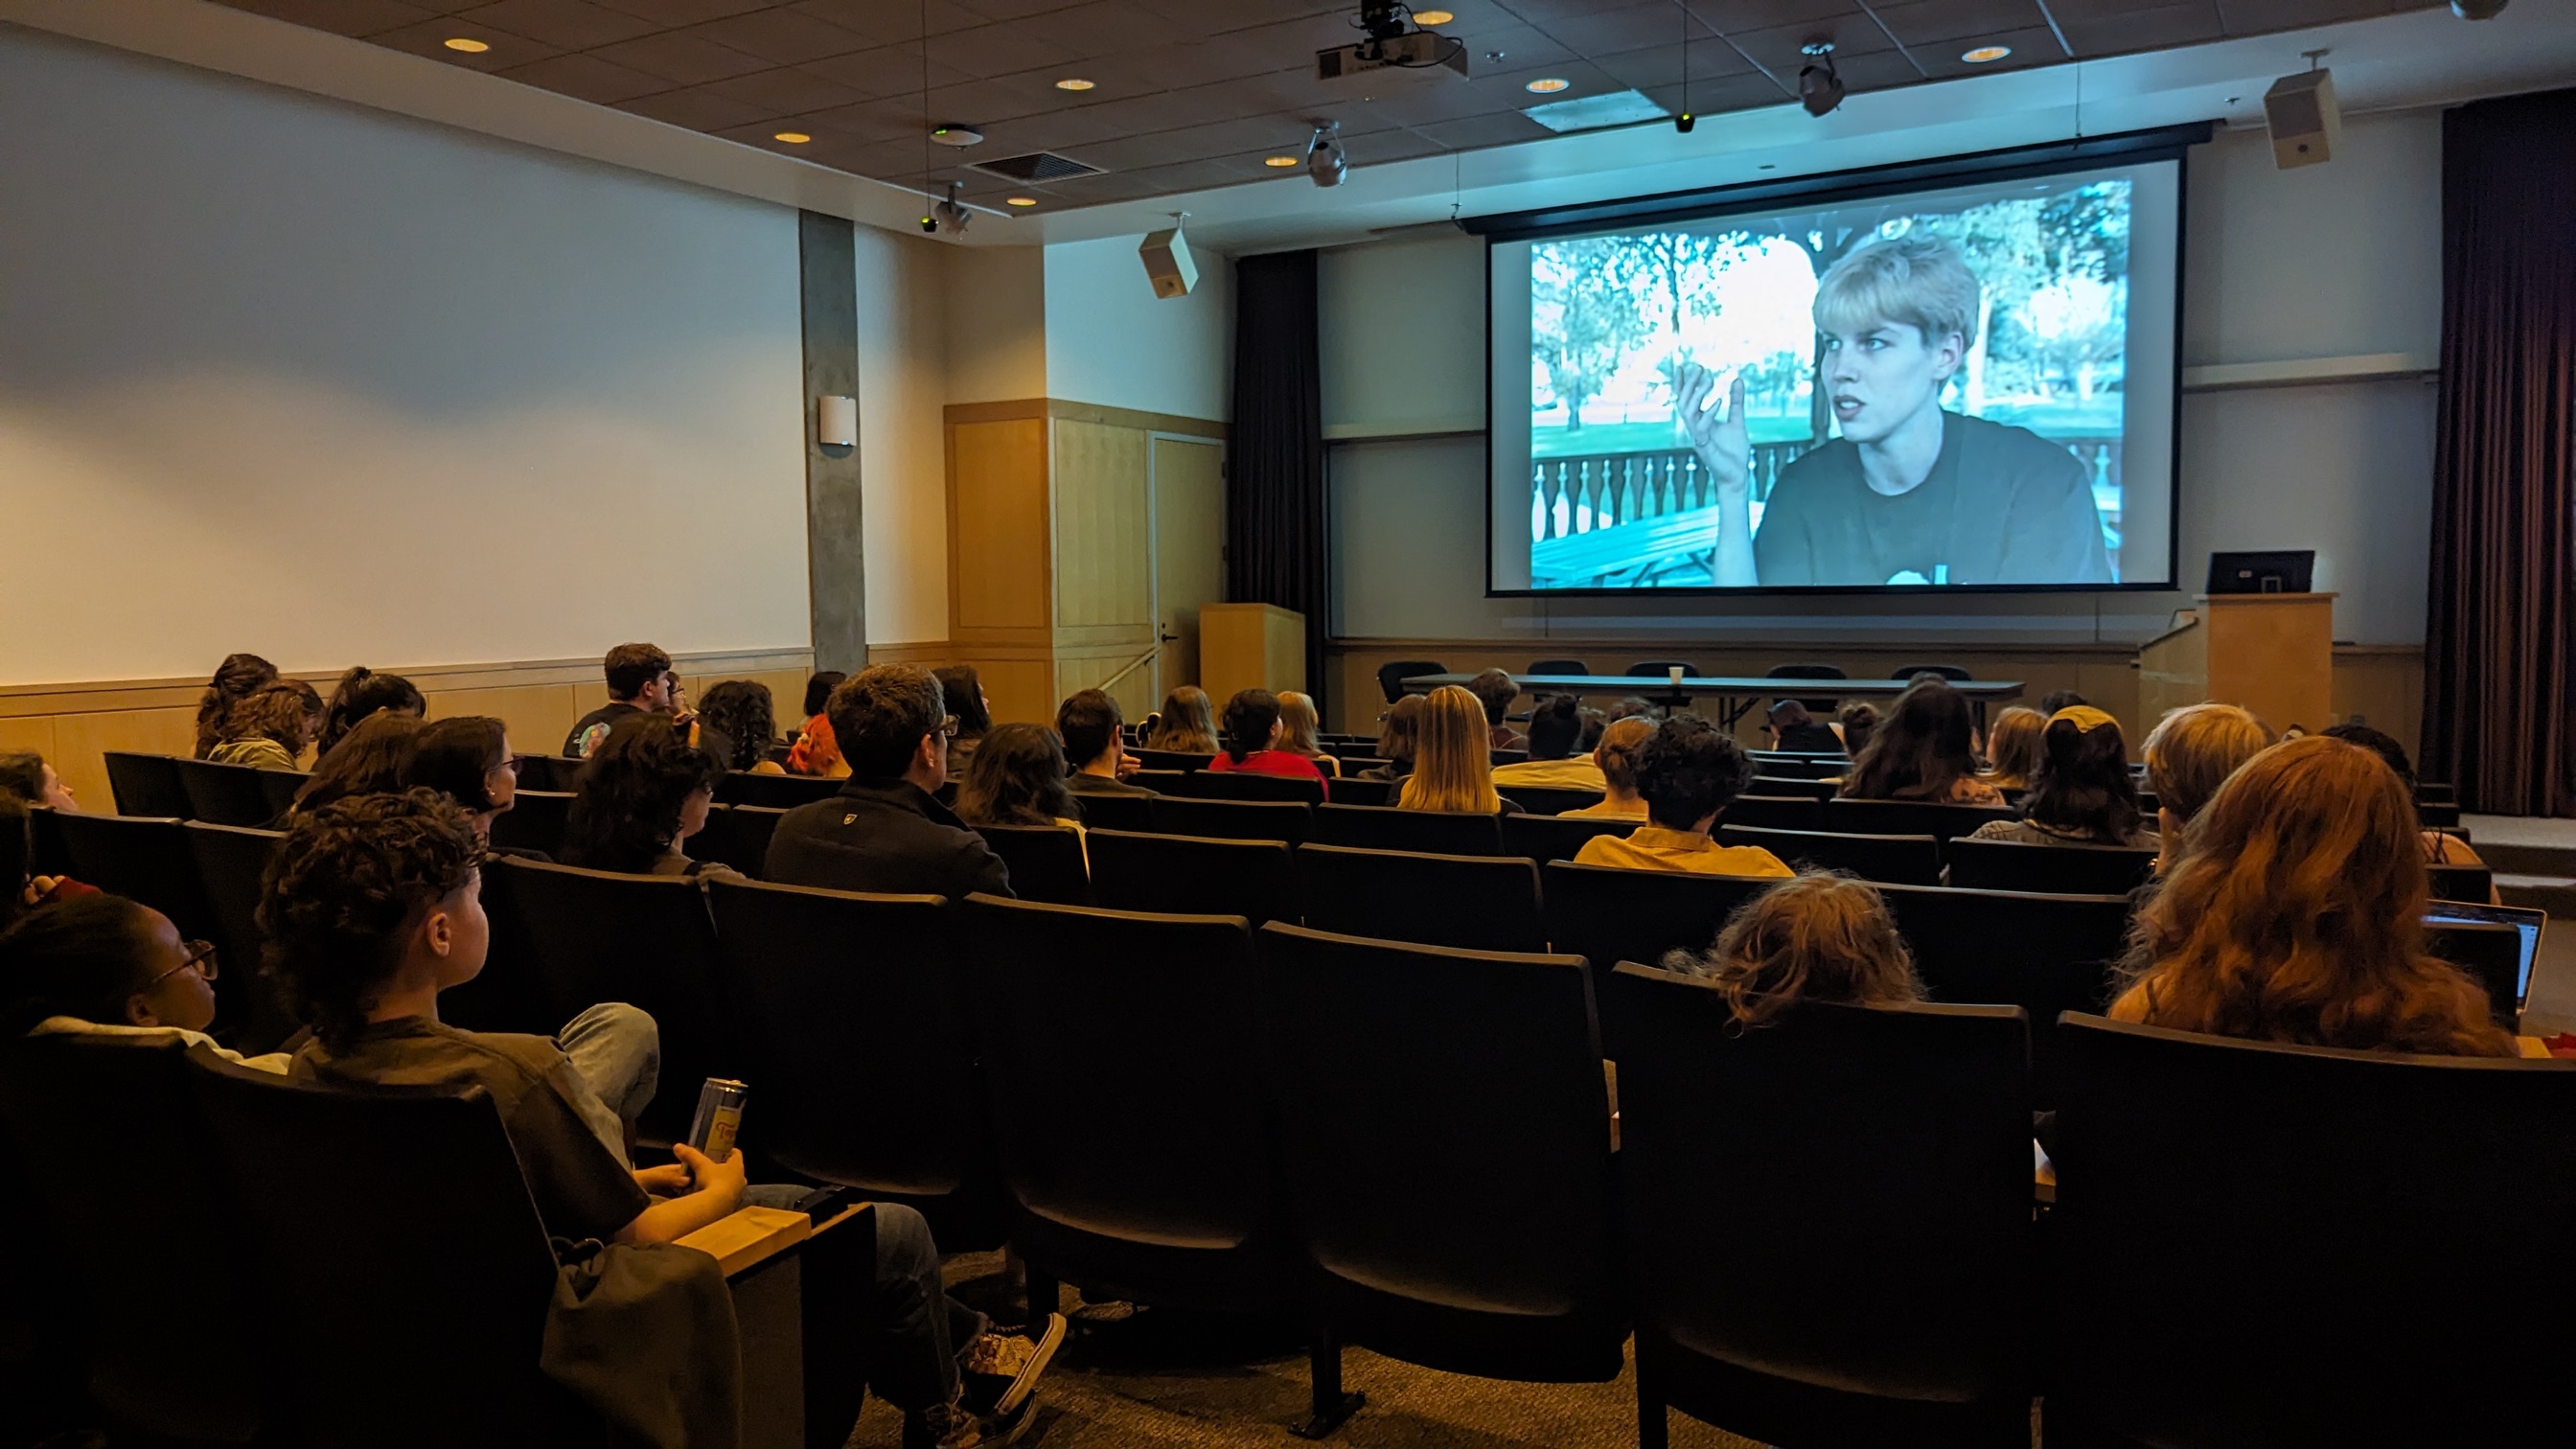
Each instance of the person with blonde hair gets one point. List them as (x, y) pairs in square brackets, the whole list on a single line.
[(2294, 912), (1399, 730), (2013, 749), (1689, 772), (1453, 763), (1186, 724), (1907, 493), (1616, 756), (1818, 936), (1298, 723), (2083, 793), (2190, 753)]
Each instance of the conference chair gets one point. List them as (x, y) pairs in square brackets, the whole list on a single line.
[(1232, 819), (1171, 760), (1952, 672), (535, 821), (1474, 902), (1889, 859), (1347, 791), (1543, 838), (738, 836), (2236, 1221), (230, 862), (1046, 862), (1559, 666), (774, 792), (143, 859), (1821, 704), (1791, 786), (1131, 1121), (146, 785), (1246, 785), (1662, 669), (1115, 812), (1776, 812), (149, 1270), (1548, 799), (224, 794), (280, 787), (1607, 914), (1436, 832), (2047, 954), (2073, 870), (1194, 876), (856, 1011), (1450, 1188), (2457, 882), (2488, 954), (1391, 677), (1911, 817), (1823, 1128)]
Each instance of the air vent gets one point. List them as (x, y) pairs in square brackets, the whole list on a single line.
[(1036, 166)]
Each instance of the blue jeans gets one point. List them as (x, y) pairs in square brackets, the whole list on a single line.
[(876, 1312), (617, 1049)]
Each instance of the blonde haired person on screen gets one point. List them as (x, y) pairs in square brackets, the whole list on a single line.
[(1907, 493), (1453, 764)]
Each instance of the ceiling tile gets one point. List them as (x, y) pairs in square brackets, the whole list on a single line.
[(1709, 59), (1187, 176), (1631, 27), (697, 108), (1729, 17), (891, 119), (1469, 133), (991, 50), (1879, 70), (341, 17), (1007, 98), (675, 13), (1523, 48), (781, 36), (588, 78), (563, 24), (426, 39), (682, 59), (1104, 25), (1938, 22), (785, 91), (2035, 46), (1778, 50), (1716, 97), (888, 70), (2188, 23), (2261, 17)]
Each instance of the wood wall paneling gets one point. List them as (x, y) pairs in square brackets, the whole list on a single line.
[(1103, 573), (999, 546)]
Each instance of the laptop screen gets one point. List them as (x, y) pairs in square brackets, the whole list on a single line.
[(2526, 923)]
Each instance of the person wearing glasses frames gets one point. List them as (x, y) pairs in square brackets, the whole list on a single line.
[(885, 831), (102, 964)]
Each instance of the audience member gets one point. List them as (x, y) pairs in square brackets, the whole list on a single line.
[(2013, 748), (1636, 707), (738, 725), (1453, 759), (640, 797), (1794, 731), (2083, 794), (1555, 728), (1496, 691), (2057, 699), (271, 728), (2294, 913), (963, 689), (467, 758), (2190, 753), (235, 680), (1185, 725), (884, 831), (2440, 846), (1818, 936), (640, 681), (814, 753), (1017, 779), (1616, 757), (362, 695), (1688, 771), (1399, 731), (372, 760), (1855, 721), (27, 775), (102, 965), (1252, 731), (1298, 724), (1924, 751), (1594, 724), (1095, 745), (21, 890)]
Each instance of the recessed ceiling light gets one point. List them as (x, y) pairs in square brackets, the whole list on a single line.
[(1019, 201), (1984, 53), (470, 47), (1282, 161), (1432, 17), (792, 138), (1548, 85), (1073, 83)]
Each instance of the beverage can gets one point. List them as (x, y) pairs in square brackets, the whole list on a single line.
[(719, 1118)]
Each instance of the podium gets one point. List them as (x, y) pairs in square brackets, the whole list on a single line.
[(1250, 646), (2271, 653)]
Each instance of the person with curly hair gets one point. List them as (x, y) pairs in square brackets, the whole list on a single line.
[(642, 795), (236, 679), (738, 725), (370, 761), (1818, 936), (361, 696), (1688, 772), (270, 729)]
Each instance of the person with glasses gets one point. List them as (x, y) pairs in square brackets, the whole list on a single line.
[(885, 831), (640, 681), (99, 964)]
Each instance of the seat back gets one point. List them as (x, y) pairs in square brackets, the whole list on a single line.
[(146, 785), (1893, 859), (1791, 786), (1435, 832), (2219, 1201), (1549, 799), (2047, 954), (1116, 812), (1775, 812), (1171, 759), (2489, 954), (2461, 882), (1559, 837), (1192, 875), (144, 859), (1475, 902), (1130, 1116), (1770, 766), (1391, 676), (534, 821), (1349, 791), (774, 792), (552, 773), (1045, 861), (2074, 870), (279, 789), (1161, 782), (223, 794), (1911, 817), (1231, 819), (738, 836), (1248, 785), (230, 862), (2437, 815), (1607, 914), (1823, 1126)]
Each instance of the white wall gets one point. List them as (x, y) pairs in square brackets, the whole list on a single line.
[(903, 383), (1111, 341), (284, 374), (996, 322)]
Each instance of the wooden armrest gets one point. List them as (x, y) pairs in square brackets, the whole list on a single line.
[(2532, 1046), (749, 1237)]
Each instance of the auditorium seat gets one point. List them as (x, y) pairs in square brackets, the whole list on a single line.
[(1161, 782), (1444, 1132), (2429, 793), (1434, 832), (1889, 859), (1825, 1127), (1045, 861), (1247, 785), (2437, 815), (1347, 791), (1799, 767), (1171, 760), (1820, 704), (1475, 902), (1608, 914), (1500, 758), (146, 785), (281, 787), (1131, 1120), (509, 993), (738, 836), (224, 794), (1391, 677), (1232, 819), (1559, 837), (863, 1058), (145, 860), (2472, 883), (1791, 786), (1548, 799), (2076, 870), (775, 792), (2046, 954), (549, 772), (2234, 1220), (1115, 812), (1911, 817), (1193, 876), (230, 862), (535, 821), (2489, 954), (1775, 812)]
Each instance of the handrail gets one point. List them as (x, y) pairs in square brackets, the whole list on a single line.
[(1130, 666)]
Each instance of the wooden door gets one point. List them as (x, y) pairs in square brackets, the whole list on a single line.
[(1189, 550)]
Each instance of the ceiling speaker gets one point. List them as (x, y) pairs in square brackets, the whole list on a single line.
[(2306, 124), (1168, 263)]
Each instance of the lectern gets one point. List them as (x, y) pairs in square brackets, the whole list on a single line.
[(1250, 646), (2271, 653)]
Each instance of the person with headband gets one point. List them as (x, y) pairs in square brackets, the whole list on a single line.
[(2083, 793)]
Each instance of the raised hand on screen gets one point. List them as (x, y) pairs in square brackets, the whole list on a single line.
[(1724, 446)]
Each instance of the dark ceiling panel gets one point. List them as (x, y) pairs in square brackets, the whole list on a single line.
[(1940, 22), (342, 17), (2034, 47), (782, 36), (588, 78), (2189, 23), (672, 14), (429, 36), (681, 58), (563, 24)]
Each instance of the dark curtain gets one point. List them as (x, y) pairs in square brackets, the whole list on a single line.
[(2496, 650), (1277, 551)]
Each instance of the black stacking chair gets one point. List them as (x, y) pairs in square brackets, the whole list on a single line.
[(1822, 1127), (1474, 902), (1046, 862), (775, 792), (2462, 882), (1558, 666), (1950, 672), (1821, 704), (1433, 832), (1911, 817), (224, 794), (2488, 954), (1193, 876), (138, 1220), (1246, 785), (397, 1216), (1890, 859), (1451, 1189), (2071, 870), (1116, 812), (2215, 1201), (280, 788), (1559, 837), (1171, 760), (1792, 786), (147, 860), (535, 821), (1662, 669), (1391, 677), (1607, 914), (1548, 799), (2437, 816), (856, 1008), (738, 836), (230, 861), (1232, 819), (1775, 812), (1161, 782), (1130, 1118), (1347, 791), (2046, 954), (146, 785)]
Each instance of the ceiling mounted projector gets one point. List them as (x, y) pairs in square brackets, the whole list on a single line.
[(1325, 161), (951, 214), (1819, 88), (1394, 42)]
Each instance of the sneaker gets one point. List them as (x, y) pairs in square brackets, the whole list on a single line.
[(1008, 1364), (954, 1426)]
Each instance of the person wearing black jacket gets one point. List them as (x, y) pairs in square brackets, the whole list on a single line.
[(884, 831)]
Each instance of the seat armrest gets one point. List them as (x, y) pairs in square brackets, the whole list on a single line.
[(749, 1237)]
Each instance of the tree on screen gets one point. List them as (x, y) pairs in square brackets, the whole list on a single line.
[(1583, 321), (1671, 276)]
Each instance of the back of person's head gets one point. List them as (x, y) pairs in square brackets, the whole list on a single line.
[(458, 757), (348, 884), (1453, 757), (1618, 750), (627, 800), (963, 688), (22, 776), (881, 714), (289, 712), (2083, 781), (1818, 936), (1400, 730), (2294, 912), (1555, 727), (1249, 718), (1298, 723), (1924, 744), (741, 711), (2193, 750), (630, 667), (818, 690), (17, 860), (1859, 719), (2013, 745), (1635, 707), (1495, 691), (233, 681), (85, 957), (369, 760), (1088, 722), (2057, 699), (1186, 723), (1594, 722), (1689, 770), (1788, 714), (1016, 778), (2378, 742), (364, 694)]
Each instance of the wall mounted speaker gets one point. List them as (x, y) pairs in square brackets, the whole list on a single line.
[(2306, 124), (1168, 263)]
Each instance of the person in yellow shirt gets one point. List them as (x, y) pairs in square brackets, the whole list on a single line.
[(1555, 730), (1616, 758), (1688, 773)]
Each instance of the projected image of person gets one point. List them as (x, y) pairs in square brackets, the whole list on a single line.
[(1907, 493)]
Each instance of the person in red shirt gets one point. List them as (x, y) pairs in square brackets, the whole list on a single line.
[(1252, 736)]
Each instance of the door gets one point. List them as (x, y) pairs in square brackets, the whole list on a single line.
[(1188, 480)]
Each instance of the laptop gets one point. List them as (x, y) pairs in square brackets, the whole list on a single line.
[(2270, 571), (2527, 924)]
